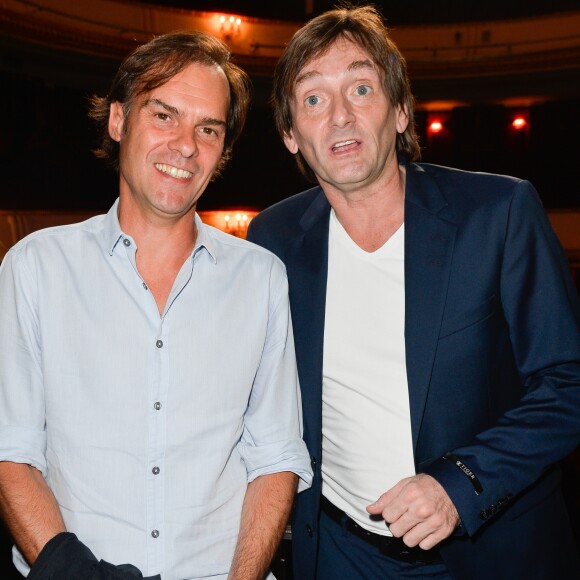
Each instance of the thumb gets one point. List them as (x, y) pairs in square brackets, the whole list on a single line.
[(378, 506), (375, 508)]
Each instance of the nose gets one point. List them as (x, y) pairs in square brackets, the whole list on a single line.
[(183, 141), (341, 113)]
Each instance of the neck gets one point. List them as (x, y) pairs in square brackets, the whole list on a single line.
[(371, 217), (163, 246)]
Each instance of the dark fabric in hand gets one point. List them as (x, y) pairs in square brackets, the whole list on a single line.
[(64, 557)]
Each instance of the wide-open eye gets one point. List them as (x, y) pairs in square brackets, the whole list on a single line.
[(312, 100), (363, 90)]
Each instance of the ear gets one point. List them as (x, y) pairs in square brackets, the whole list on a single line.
[(290, 142), (116, 121), (402, 119)]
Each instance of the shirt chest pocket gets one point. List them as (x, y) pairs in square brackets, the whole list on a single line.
[(457, 321)]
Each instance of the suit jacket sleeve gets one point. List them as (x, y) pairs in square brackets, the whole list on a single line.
[(542, 312)]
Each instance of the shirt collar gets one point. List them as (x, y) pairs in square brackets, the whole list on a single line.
[(113, 234), (204, 239)]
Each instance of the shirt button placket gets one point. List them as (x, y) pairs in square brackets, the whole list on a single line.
[(157, 453)]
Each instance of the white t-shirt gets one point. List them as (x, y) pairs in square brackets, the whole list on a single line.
[(366, 425)]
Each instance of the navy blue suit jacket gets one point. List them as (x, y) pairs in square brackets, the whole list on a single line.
[(492, 334)]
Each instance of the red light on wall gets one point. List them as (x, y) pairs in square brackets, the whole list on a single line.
[(519, 123), (436, 127)]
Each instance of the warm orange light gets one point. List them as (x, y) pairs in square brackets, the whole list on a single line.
[(229, 24), (234, 222), (519, 123), (436, 127)]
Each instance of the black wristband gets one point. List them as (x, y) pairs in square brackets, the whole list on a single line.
[(468, 472)]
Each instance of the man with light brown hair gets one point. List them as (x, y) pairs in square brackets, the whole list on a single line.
[(149, 403), (437, 334)]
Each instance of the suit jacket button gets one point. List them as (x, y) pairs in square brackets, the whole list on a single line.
[(313, 463), (309, 531)]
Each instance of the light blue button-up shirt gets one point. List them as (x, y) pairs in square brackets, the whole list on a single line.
[(147, 427)]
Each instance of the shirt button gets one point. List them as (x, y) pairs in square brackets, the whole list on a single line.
[(155, 533), (159, 344), (156, 470), (157, 406), (127, 242)]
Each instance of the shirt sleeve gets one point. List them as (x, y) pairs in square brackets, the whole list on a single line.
[(22, 416), (272, 438)]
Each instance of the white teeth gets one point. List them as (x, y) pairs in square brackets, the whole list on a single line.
[(343, 143), (173, 171)]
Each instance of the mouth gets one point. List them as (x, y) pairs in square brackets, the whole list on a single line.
[(344, 145), (173, 171)]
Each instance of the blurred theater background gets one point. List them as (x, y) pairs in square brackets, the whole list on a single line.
[(497, 86)]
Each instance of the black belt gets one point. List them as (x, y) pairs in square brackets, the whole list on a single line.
[(388, 545)]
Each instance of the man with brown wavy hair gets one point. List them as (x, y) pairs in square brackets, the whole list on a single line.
[(150, 409), (437, 334), (152, 65)]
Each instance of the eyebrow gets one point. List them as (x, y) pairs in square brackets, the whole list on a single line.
[(213, 122), (169, 108), (361, 64), (355, 65), (175, 111)]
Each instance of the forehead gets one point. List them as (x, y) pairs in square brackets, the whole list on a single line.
[(340, 56), (197, 82)]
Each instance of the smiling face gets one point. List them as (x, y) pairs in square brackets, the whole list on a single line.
[(171, 142), (343, 122)]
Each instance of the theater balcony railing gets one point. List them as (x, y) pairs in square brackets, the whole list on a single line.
[(111, 28)]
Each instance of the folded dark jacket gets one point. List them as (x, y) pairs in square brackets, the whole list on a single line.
[(66, 558)]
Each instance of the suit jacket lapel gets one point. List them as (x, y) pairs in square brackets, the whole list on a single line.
[(307, 266), (429, 241)]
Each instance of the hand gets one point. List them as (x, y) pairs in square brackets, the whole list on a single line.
[(418, 510)]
